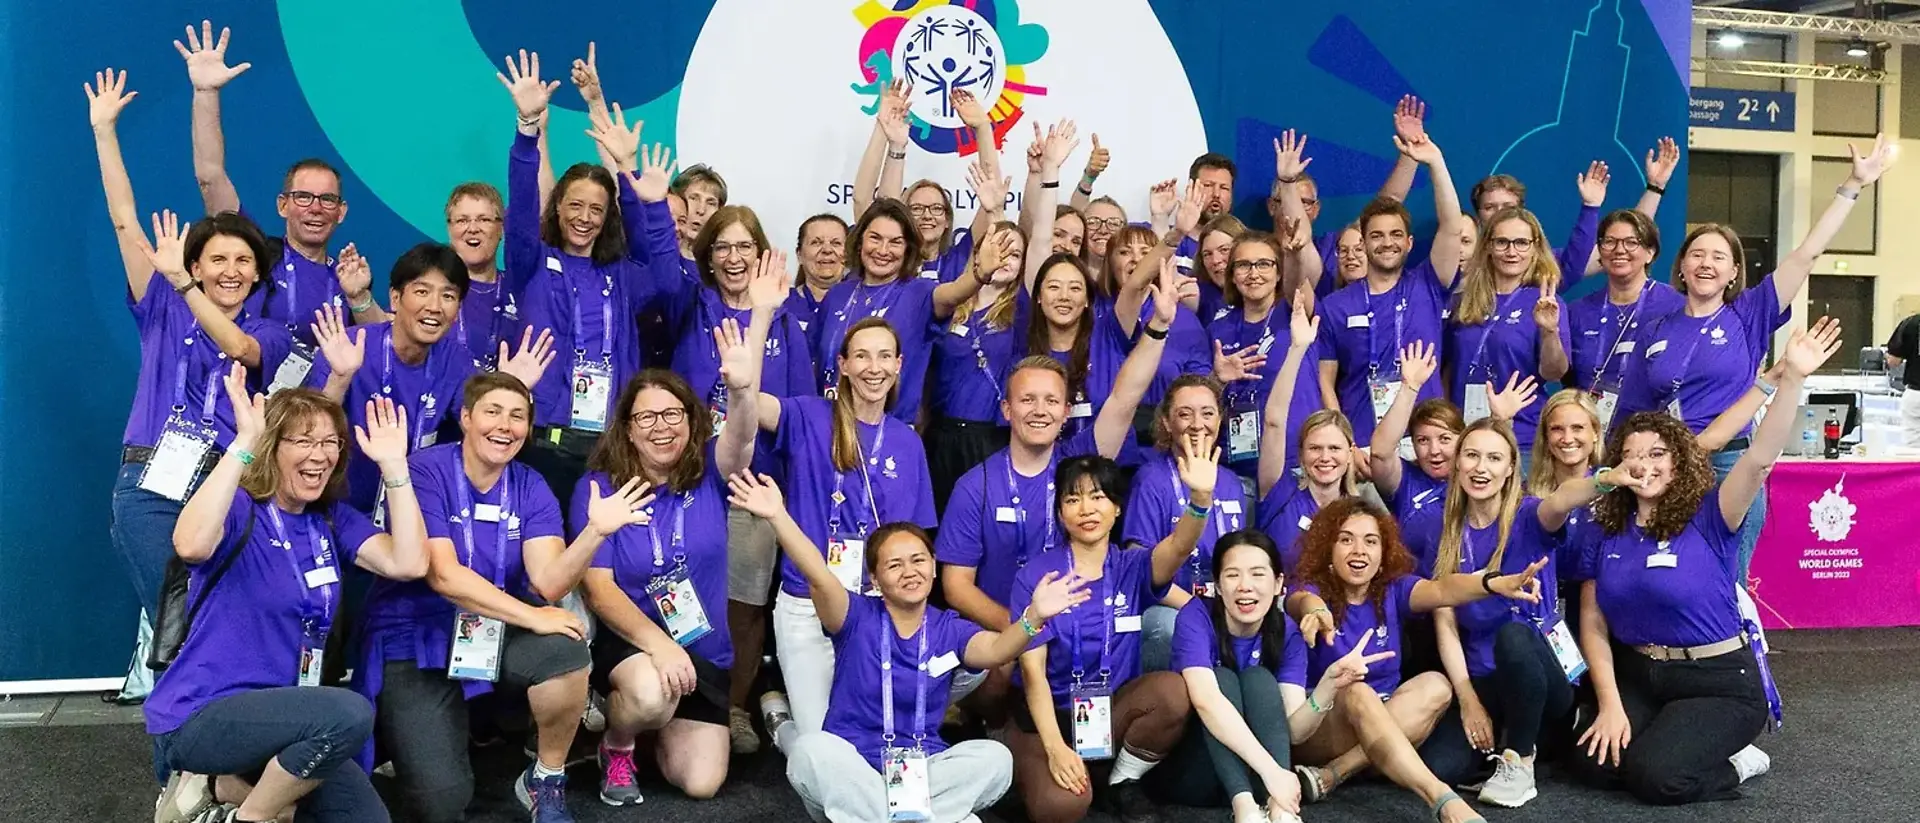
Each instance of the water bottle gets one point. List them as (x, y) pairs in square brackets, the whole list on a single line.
[(1809, 445)]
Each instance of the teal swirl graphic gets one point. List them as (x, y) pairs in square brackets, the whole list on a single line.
[(413, 106)]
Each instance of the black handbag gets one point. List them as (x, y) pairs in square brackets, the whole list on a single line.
[(175, 619)]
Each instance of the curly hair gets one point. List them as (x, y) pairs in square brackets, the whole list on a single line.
[(1163, 436), (1315, 565), (1692, 477)]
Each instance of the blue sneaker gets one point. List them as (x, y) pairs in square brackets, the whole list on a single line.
[(545, 798)]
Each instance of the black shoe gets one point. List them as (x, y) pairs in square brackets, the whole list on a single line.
[(1129, 801)]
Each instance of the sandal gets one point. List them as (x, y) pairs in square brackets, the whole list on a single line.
[(1441, 804), (1312, 790)]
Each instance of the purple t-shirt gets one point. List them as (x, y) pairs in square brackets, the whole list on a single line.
[(907, 305), (891, 483), (294, 289), (429, 391), (1107, 349), (1417, 492), (1196, 647), (1157, 502), (410, 621), (181, 366), (1188, 350), (1480, 621), (1491, 352), (1247, 399), (805, 310), (1284, 514), (1705, 362), (489, 314), (1364, 622), (997, 518), (1687, 603), (1092, 632), (249, 633), (690, 528), (951, 263), (971, 363), (856, 706), (589, 307), (1604, 337), (1363, 333)]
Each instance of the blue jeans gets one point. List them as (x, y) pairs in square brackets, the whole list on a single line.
[(141, 524), (1156, 638), (1722, 462), (314, 733)]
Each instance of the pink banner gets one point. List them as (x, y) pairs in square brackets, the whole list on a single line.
[(1841, 546)]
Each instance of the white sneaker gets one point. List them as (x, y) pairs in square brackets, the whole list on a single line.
[(777, 714), (594, 718), (1750, 763), (1511, 785), (185, 798)]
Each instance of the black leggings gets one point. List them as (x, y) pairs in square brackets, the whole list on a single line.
[(1526, 689), (954, 447), (1202, 771), (1687, 718)]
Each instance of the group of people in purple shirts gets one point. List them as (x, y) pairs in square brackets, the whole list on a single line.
[(1359, 535)]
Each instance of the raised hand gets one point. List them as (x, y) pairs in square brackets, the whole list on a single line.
[(1165, 293), (1619, 477), (620, 141), (892, 117), (1162, 199), (1186, 217), (1292, 237), (1417, 364), (106, 97), (586, 76), (756, 493), (1662, 159), (1304, 326), (1056, 593), (1546, 310), (1035, 149), (656, 174), (968, 107), (1524, 586), (1868, 167), (529, 362), (249, 411), (1593, 183), (167, 254), (530, 95), (619, 508), (1199, 469), (1062, 139), (1809, 348), (345, 351), (992, 190), (739, 362), (1238, 365), (1352, 667), (353, 272), (1422, 150), (207, 58), (768, 287), (1410, 119), (1098, 161), (384, 439), (992, 255), (1288, 160), (1518, 394)]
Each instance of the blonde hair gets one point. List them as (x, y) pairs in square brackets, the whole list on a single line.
[(1540, 479), (1000, 312), (1323, 418), (1453, 523), (1477, 298), (287, 412), (846, 428)]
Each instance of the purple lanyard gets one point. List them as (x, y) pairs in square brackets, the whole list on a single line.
[(322, 558), (886, 682), (180, 393), (1399, 329), (606, 319), (287, 255), (679, 538), (1626, 323), (974, 336), (469, 512), (1106, 621), (500, 300), (420, 420), (1687, 362), (840, 481), (1499, 311), (832, 344), (1020, 512)]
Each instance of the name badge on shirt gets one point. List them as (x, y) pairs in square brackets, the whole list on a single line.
[(960, 330), (909, 788), (292, 372), (1663, 557), (1082, 409), (486, 513), (1478, 405), (1006, 514), (322, 576), (1126, 623), (1305, 522), (553, 264), (1092, 722), (1359, 321), (1625, 347), (943, 664), (1230, 506), (679, 606), (1656, 348), (476, 648)]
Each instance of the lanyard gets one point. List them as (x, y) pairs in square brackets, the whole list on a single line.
[(679, 533), (717, 395), (1467, 563), (1180, 496), (1626, 324), (832, 343), (606, 319), (469, 513), (1492, 323), (322, 558), (1106, 621), (839, 486), (287, 256), (1399, 328), (974, 336), (886, 682), (1241, 326), (420, 421), (1020, 527), (1687, 361), (206, 402), (500, 300)]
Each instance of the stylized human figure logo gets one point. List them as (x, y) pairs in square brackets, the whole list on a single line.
[(1832, 514), (940, 47)]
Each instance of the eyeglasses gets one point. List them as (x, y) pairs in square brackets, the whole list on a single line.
[(647, 419), (1107, 223), (1305, 202), (744, 248), (306, 445), (1613, 243), (303, 199), (464, 223), (1515, 243), (927, 211), (1262, 266)]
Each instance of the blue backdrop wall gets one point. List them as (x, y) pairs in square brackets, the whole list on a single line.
[(401, 96)]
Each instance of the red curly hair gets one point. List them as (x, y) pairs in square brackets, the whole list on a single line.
[(1316, 555)]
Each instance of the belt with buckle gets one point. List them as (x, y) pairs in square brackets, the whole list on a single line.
[(1669, 653), (144, 454)]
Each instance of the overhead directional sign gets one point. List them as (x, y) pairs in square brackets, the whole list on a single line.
[(1740, 109)]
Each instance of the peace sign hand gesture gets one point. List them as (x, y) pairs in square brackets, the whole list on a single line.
[(1524, 587), (1352, 667)]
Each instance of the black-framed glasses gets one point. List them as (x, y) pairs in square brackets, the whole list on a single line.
[(306, 445), (744, 248), (1111, 224), (1617, 243), (1262, 266), (647, 419), (303, 199), (1514, 243), (927, 211)]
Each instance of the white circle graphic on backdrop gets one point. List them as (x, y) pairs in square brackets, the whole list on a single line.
[(945, 49)]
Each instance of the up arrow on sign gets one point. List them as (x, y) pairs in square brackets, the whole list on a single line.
[(1740, 109)]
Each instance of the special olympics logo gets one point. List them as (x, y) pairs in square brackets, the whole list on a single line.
[(942, 46), (1832, 515)]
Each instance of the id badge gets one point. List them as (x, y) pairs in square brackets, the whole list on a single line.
[(293, 370), (592, 385), (380, 507), (1202, 580), (1478, 405), (1383, 392), (909, 791), (476, 648), (1092, 722), (846, 558), (1080, 409), (1565, 650), (679, 606), (1243, 436), (313, 656), (169, 473), (719, 420), (1604, 403), (1673, 409)]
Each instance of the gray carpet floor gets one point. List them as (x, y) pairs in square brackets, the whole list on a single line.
[(1848, 753)]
